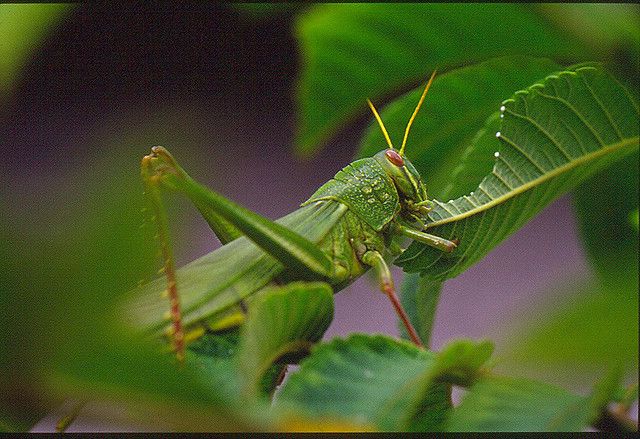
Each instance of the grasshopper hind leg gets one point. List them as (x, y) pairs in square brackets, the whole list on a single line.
[(229, 220), (151, 179)]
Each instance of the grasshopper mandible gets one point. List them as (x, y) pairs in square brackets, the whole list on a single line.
[(352, 223)]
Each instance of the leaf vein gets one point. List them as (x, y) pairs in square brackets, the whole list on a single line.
[(602, 107), (577, 113)]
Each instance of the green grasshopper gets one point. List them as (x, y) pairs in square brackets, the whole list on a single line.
[(354, 222)]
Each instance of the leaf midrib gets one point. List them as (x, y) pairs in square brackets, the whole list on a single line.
[(537, 181)]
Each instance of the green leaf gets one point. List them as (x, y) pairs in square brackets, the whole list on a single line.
[(374, 380), (456, 107), (591, 328), (419, 297), (67, 284), (595, 325), (628, 396), (283, 320), (356, 51), (477, 159), (213, 356), (607, 28), (22, 30), (555, 135), (603, 205), (514, 404), (368, 380), (460, 361)]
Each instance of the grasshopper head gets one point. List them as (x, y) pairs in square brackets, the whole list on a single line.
[(404, 174), (406, 179)]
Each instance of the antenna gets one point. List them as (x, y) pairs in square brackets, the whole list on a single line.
[(384, 130), (413, 116)]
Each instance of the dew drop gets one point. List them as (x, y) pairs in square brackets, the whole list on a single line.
[(496, 154), (502, 108), (501, 116), (498, 134)]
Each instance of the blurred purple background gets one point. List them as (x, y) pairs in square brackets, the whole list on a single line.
[(217, 89)]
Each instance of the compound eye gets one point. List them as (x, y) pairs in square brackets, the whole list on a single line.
[(394, 157)]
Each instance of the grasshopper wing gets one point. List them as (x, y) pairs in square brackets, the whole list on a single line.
[(220, 279)]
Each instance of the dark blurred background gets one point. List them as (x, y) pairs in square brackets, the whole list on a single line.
[(215, 85)]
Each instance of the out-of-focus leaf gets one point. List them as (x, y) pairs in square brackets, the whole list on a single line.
[(457, 105), (419, 297), (605, 27), (374, 380), (284, 320), (629, 395), (555, 135), (603, 205), (572, 339), (514, 404), (593, 326), (460, 361), (64, 285), (6, 427), (156, 393), (356, 51), (634, 219), (22, 30)]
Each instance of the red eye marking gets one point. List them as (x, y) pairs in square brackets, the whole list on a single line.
[(394, 157)]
